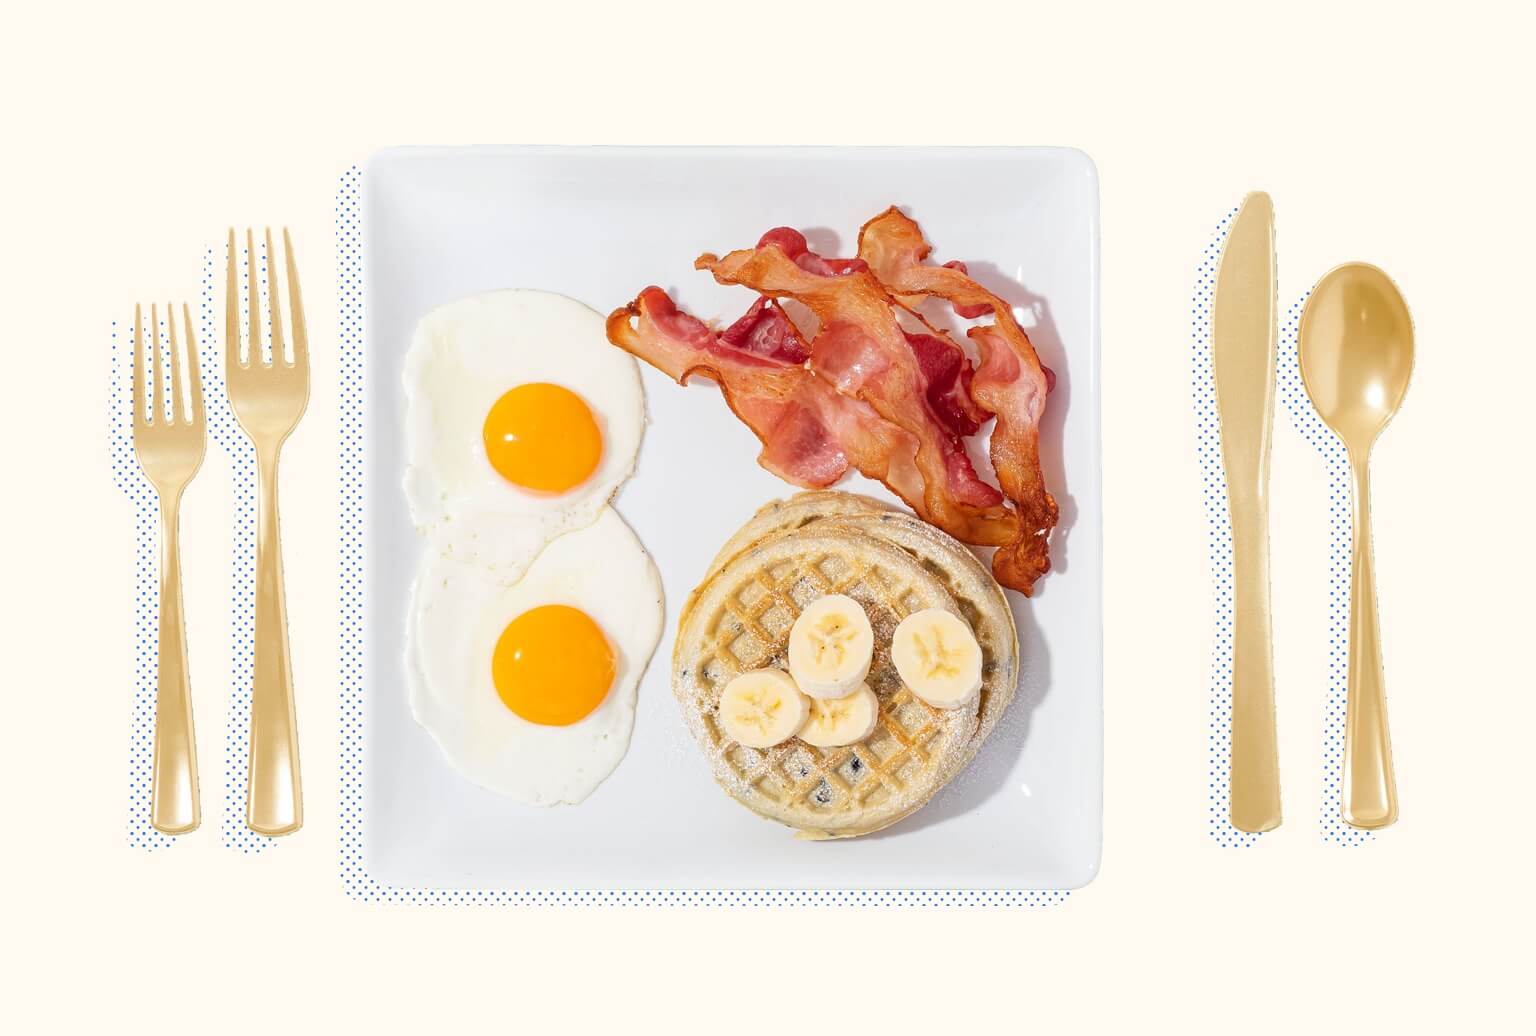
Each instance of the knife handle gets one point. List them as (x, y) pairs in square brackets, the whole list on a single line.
[(1255, 772)]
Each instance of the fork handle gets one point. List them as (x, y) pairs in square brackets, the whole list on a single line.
[(174, 806), (274, 799)]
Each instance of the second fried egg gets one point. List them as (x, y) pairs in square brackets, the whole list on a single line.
[(530, 689)]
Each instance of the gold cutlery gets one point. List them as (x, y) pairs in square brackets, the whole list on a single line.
[(1356, 355), (169, 438), (268, 399), (1243, 358)]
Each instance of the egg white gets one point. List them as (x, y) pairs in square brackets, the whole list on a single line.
[(458, 613), (464, 357)]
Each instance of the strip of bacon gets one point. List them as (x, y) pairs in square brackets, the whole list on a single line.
[(1010, 382), (765, 330), (810, 432), (945, 368), (864, 352), (947, 371)]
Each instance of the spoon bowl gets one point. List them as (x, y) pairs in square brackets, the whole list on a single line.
[(1356, 352), (1356, 355)]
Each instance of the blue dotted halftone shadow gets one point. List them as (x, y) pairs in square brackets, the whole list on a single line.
[(1219, 545), (226, 431), (129, 477), (223, 430), (1340, 544), (359, 884)]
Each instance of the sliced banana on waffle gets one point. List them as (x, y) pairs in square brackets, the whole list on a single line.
[(890, 563), (830, 647), (937, 656), (835, 722), (761, 708)]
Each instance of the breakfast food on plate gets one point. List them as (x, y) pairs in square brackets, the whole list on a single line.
[(529, 689), (800, 509), (938, 657), (859, 762), (1010, 381), (521, 422), (831, 646), (535, 609), (761, 707), (835, 722), (874, 386)]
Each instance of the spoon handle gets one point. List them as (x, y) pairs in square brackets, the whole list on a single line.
[(1370, 790)]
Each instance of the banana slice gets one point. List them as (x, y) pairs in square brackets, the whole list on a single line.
[(938, 657), (761, 708), (834, 722), (830, 647)]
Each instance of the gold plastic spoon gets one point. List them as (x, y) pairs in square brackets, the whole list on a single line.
[(1356, 354)]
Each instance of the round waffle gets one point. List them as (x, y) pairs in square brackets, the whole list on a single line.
[(977, 596), (778, 516), (797, 512), (739, 619)]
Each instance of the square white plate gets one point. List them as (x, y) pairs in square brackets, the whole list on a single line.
[(599, 224)]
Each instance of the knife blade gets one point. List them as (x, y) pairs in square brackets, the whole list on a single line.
[(1243, 360)]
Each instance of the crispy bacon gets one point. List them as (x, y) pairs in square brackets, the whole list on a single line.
[(792, 243), (863, 352), (1010, 382), (945, 368), (947, 371), (810, 432), (867, 392), (971, 312), (765, 330)]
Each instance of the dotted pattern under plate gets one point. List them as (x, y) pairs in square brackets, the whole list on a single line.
[(359, 884)]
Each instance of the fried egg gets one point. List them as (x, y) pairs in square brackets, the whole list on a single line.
[(529, 688), (521, 422)]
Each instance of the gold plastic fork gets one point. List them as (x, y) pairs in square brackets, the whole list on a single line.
[(268, 400), (169, 440)]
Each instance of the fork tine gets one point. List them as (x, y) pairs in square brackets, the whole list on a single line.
[(253, 307), (194, 365), (139, 408), (296, 303), (231, 312), (176, 393), (159, 365), (274, 304)]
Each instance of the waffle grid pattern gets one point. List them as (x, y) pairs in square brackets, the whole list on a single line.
[(794, 774)]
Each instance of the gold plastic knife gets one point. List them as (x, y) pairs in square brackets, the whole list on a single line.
[(1243, 357)]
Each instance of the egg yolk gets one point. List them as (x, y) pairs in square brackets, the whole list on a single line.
[(552, 665), (543, 437)]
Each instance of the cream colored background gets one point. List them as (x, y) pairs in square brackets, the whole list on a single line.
[(135, 133)]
